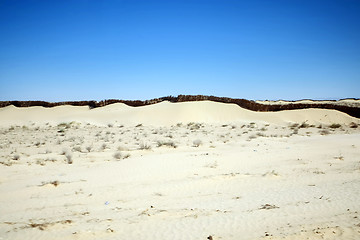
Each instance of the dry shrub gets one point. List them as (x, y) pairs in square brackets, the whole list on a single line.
[(117, 155), (304, 125), (335, 125), (144, 146), (324, 132), (168, 144), (69, 158), (353, 125)]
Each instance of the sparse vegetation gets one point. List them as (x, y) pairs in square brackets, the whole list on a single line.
[(194, 126), (144, 146), (63, 151), (103, 146), (324, 132), (117, 155), (335, 125), (88, 148), (252, 137), (64, 125), (353, 125), (304, 125), (69, 158), (294, 125), (166, 143), (77, 149), (295, 131), (268, 206)]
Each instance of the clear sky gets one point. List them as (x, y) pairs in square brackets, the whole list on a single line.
[(91, 50)]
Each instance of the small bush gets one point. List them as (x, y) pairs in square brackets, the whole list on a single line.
[(304, 125), (294, 125), (168, 144), (353, 125), (117, 155), (197, 143), (69, 158), (64, 125), (16, 157), (145, 146), (103, 146), (88, 148), (63, 151), (259, 134), (194, 126), (252, 137), (77, 148), (335, 125), (324, 132), (295, 131)]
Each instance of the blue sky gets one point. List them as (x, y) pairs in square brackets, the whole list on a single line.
[(93, 50)]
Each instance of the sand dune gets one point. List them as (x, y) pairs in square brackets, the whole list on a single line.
[(166, 113), (191, 170), (342, 102)]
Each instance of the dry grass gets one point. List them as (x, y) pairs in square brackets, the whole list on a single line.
[(144, 146), (335, 125), (166, 143), (69, 158), (117, 155)]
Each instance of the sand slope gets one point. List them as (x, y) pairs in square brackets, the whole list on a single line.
[(166, 113)]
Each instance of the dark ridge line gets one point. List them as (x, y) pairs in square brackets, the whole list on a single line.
[(247, 104)]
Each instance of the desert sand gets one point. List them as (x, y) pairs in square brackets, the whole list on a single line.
[(342, 102), (191, 170)]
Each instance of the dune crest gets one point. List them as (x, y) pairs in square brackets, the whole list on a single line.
[(167, 113)]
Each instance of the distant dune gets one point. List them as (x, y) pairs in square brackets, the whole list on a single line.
[(349, 106), (167, 113)]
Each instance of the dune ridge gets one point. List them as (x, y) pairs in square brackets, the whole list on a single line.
[(349, 106), (168, 113)]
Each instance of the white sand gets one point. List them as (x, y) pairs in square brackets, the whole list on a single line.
[(342, 102), (254, 175), (166, 113)]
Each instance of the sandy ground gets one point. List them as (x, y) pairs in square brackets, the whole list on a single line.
[(268, 177), (342, 102)]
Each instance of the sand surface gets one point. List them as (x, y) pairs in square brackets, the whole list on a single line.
[(178, 171), (342, 102)]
